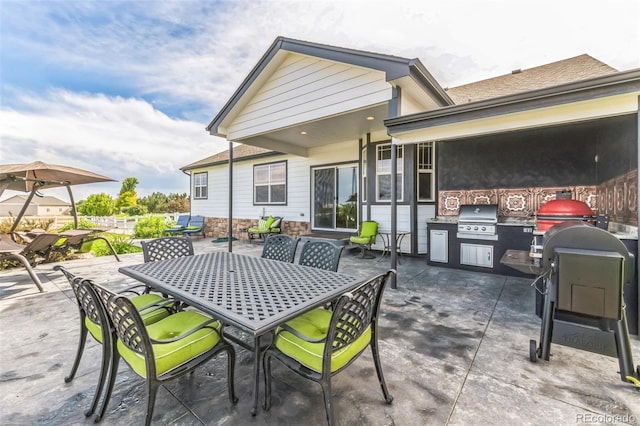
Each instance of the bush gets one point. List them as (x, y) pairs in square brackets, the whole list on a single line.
[(82, 224), (150, 227), (137, 210), (121, 244)]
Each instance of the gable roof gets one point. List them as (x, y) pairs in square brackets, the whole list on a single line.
[(567, 70), (240, 152), (394, 67)]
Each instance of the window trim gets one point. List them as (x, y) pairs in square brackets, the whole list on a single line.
[(205, 186), (285, 163), (431, 171), (399, 172)]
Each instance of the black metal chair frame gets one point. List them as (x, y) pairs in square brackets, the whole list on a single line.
[(166, 248), (280, 247), (321, 254), (261, 236), (128, 327), (87, 308), (352, 314)]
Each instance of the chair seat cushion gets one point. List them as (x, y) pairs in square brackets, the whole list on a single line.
[(315, 325), (360, 240), (171, 355), (149, 316), (256, 230)]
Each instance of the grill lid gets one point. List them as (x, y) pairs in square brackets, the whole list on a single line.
[(563, 207), (478, 213)]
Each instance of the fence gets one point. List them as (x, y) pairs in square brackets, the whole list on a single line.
[(124, 225)]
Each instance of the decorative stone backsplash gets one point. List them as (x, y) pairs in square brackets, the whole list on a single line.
[(620, 198), (617, 197), (512, 202)]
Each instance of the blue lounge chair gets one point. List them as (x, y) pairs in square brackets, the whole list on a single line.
[(196, 226), (181, 224)]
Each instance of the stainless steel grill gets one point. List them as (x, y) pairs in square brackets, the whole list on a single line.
[(478, 221)]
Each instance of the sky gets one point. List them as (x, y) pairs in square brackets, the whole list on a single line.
[(126, 88)]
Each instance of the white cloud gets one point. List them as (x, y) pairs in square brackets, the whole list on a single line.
[(113, 136)]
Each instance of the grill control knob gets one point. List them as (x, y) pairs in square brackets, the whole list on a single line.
[(475, 228), (484, 228), (468, 228)]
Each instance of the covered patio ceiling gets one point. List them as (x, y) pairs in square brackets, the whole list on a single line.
[(350, 126)]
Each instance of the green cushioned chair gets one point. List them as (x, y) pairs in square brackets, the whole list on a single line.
[(162, 351), (321, 343), (366, 237), (267, 225), (152, 308)]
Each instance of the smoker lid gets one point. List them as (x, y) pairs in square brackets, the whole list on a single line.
[(564, 207), (486, 213), (580, 235)]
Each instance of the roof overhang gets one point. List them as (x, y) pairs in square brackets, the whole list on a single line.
[(615, 94), (352, 124)]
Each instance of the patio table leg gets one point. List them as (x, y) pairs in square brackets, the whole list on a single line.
[(256, 374)]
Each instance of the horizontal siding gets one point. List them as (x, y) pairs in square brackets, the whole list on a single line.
[(305, 89), (298, 185)]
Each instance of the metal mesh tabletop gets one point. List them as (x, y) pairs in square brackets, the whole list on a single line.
[(252, 293)]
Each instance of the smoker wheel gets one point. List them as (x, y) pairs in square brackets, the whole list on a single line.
[(533, 351)]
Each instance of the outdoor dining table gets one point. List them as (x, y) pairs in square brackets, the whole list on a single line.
[(255, 295)]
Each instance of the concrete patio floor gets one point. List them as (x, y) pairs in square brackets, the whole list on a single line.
[(454, 349)]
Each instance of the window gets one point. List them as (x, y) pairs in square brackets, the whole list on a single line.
[(426, 182), (270, 183), (364, 174), (383, 173), (200, 185)]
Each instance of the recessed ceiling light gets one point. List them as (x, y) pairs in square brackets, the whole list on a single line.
[(303, 132), (371, 118)]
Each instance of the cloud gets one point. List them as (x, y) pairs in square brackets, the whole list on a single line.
[(115, 136)]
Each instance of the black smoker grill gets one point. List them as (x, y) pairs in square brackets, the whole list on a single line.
[(585, 269)]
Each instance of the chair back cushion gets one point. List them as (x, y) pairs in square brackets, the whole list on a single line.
[(369, 229), (166, 248), (279, 247), (183, 220), (321, 254)]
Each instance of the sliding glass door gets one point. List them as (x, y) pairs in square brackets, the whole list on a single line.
[(335, 197)]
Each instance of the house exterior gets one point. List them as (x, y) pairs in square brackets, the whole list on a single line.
[(39, 206), (318, 127)]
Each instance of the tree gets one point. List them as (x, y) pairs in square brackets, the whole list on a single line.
[(155, 203), (97, 205), (179, 205), (128, 196)]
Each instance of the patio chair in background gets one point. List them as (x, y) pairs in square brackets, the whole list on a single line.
[(152, 307), (181, 224), (163, 351), (29, 255), (321, 254), (76, 238), (366, 237), (280, 247), (267, 225), (196, 226), (166, 248), (320, 343)]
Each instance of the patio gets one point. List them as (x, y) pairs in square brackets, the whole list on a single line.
[(454, 349)]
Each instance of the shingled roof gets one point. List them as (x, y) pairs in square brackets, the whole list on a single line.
[(564, 71), (244, 152)]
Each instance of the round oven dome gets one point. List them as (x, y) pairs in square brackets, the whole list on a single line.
[(560, 210)]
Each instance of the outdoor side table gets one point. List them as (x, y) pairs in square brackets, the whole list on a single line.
[(386, 241), (255, 295)]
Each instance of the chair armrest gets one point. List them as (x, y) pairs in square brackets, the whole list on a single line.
[(158, 304), (296, 333), (188, 333)]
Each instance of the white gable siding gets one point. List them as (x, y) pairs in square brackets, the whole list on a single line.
[(298, 184), (305, 89)]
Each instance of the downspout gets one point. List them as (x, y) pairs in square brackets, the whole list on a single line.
[(230, 232)]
